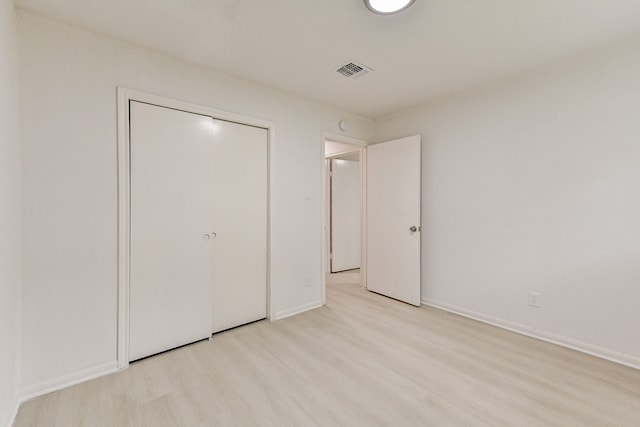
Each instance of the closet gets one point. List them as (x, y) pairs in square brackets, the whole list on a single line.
[(198, 227)]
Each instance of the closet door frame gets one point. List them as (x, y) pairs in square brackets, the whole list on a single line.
[(124, 97)]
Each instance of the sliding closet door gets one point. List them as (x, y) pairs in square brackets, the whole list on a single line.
[(172, 218), (198, 227), (240, 224)]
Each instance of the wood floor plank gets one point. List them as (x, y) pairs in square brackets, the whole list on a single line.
[(361, 360)]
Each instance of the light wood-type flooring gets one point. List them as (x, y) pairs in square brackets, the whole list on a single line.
[(361, 360)]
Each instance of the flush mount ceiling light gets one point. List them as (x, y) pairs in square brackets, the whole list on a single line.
[(387, 7)]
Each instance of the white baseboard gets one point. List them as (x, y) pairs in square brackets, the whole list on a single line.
[(593, 350), (297, 310), (44, 387), (10, 415)]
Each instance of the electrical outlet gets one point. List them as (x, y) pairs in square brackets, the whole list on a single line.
[(535, 299), (307, 281)]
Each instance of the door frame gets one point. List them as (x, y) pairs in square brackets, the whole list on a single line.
[(360, 147), (124, 96)]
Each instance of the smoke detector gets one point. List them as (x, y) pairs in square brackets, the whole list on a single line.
[(353, 70)]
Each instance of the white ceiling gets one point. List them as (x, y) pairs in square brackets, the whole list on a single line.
[(434, 48)]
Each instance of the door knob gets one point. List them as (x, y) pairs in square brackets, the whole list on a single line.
[(413, 229)]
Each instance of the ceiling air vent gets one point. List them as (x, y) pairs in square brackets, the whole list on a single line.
[(353, 70)]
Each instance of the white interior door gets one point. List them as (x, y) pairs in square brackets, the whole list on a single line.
[(345, 214), (240, 224), (393, 219), (172, 206)]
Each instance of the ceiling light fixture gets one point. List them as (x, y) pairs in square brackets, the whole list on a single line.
[(387, 7)]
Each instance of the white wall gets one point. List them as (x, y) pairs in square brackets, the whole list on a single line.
[(9, 212), (534, 184), (68, 81)]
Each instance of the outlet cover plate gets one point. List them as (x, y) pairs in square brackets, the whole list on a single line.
[(535, 299)]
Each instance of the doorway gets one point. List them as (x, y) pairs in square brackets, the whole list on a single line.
[(344, 223), (344, 212), (390, 215)]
